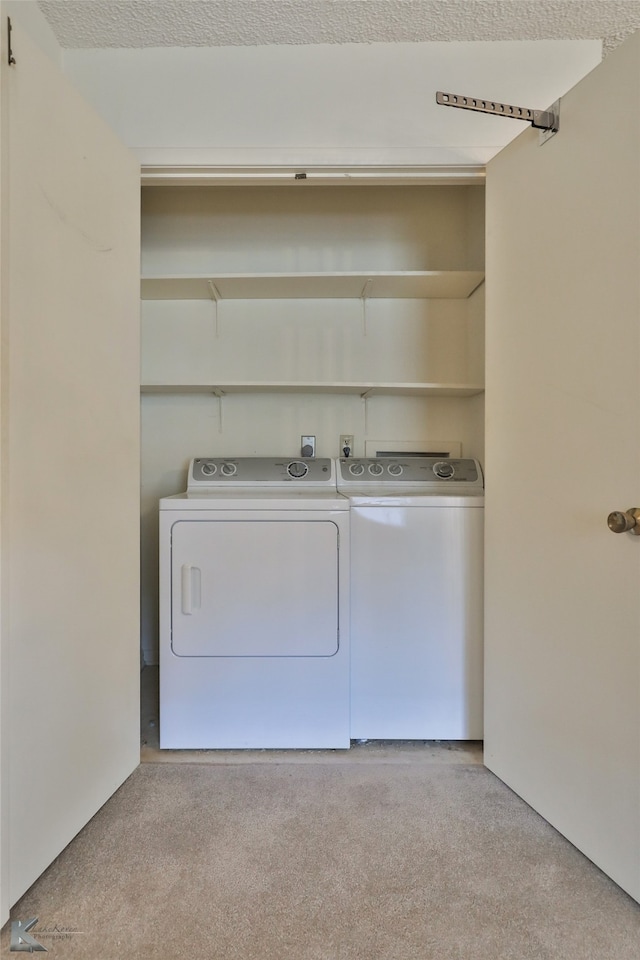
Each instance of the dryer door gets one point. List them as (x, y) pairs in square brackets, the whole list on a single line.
[(254, 588)]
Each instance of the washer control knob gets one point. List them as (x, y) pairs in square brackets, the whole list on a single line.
[(297, 469), (356, 469), (443, 470), (395, 469), (375, 469), (228, 469), (208, 469)]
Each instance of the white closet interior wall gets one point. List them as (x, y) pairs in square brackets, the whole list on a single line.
[(375, 368)]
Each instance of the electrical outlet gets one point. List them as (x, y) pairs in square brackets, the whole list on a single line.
[(307, 446), (346, 444)]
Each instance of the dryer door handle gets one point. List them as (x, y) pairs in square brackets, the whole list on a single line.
[(191, 592)]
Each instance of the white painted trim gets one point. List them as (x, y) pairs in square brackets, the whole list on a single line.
[(238, 175)]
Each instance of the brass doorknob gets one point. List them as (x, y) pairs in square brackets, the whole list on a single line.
[(625, 521)]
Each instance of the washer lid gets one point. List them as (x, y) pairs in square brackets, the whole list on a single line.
[(393, 499)]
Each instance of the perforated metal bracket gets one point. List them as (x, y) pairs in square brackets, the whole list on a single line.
[(547, 121)]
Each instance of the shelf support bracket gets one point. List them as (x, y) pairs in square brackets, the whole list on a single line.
[(364, 397), (215, 296), (363, 299), (219, 394), (547, 121)]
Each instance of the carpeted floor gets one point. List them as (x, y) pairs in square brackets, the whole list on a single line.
[(325, 861)]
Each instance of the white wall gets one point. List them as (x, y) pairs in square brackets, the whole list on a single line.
[(302, 228), (346, 104)]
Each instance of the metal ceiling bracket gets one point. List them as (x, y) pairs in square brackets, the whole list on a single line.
[(548, 121)]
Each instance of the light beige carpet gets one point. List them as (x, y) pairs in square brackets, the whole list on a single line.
[(325, 861)]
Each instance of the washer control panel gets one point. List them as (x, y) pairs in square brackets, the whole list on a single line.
[(214, 472), (409, 470)]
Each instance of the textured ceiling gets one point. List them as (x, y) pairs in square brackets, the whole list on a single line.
[(186, 23)]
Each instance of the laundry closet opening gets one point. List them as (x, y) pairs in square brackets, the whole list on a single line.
[(270, 313)]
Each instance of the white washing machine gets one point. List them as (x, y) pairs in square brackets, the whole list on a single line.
[(254, 607), (416, 597)]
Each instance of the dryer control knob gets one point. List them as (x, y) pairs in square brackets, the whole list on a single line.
[(297, 469), (443, 470), (208, 469), (228, 469)]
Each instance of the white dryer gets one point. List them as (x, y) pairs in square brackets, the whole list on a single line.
[(254, 606), (416, 597)]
